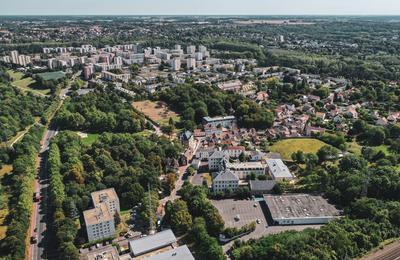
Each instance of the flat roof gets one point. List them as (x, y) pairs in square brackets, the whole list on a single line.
[(220, 118), (179, 253), (262, 185), (147, 244), (299, 206), (97, 215), (104, 195), (278, 169), (242, 165), (108, 252)]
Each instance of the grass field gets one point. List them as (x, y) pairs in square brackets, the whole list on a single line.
[(89, 139), (51, 75), (354, 147), (26, 84), (288, 146), (156, 111)]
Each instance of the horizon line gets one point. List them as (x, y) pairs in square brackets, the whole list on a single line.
[(186, 15)]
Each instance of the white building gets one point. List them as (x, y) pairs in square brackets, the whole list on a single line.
[(99, 222), (227, 121), (175, 64), (216, 160), (225, 180), (244, 169), (278, 170), (106, 75), (191, 63), (14, 57)]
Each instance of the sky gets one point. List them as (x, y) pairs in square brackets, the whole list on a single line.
[(200, 7)]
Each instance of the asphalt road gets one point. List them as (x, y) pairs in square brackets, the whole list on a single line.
[(40, 219)]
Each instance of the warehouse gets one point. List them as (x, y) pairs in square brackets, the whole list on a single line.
[(300, 209)]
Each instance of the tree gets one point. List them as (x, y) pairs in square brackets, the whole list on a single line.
[(327, 152)]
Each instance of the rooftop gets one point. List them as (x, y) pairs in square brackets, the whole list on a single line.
[(97, 215), (262, 185), (296, 206), (104, 195), (278, 169), (241, 165), (226, 175), (109, 253), (213, 119), (179, 253), (153, 242)]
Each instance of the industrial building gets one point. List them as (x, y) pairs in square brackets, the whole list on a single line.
[(164, 239), (300, 209)]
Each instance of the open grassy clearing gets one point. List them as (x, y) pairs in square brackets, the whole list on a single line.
[(26, 84), (55, 75), (156, 111), (287, 147), (89, 139)]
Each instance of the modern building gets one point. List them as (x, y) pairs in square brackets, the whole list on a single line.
[(300, 209), (178, 253), (227, 121), (225, 180), (278, 170), (14, 57), (144, 245), (176, 64), (99, 222), (88, 71), (104, 253), (108, 196)]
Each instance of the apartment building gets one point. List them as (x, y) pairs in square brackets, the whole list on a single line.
[(225, 180), (243, 169), (99, 222)]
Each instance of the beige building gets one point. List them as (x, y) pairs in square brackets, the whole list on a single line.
[(108, 196), (99, 222)]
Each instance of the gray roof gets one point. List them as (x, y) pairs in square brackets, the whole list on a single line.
[(262, 185), (226, 175), (153, 242), (278, 169), (214, 119), (179, 253), (299, 206), (219, 154)]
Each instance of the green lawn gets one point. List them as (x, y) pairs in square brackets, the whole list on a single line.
[(6, 169), (26, 84), (287, 147), (354, 147), (90, 139), (51, 75)]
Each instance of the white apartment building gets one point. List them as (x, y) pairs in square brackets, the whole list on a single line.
[(191, 63), (99, 222), (108, 196), (114, 77), (175, 64), (14, 57), (243, 169)]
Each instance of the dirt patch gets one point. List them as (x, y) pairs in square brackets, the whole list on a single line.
[(156, 111)]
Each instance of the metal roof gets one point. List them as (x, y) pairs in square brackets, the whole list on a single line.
[(262, 185), (179, 253), (153, 242)]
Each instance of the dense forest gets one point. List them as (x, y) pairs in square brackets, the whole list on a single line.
[(18, 110), (97, 112), (197, 101), (126, 162)]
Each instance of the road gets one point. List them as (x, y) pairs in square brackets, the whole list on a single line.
[(40, 219), (389, 252)]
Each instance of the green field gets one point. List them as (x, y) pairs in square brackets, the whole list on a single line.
[(26, 84), (51, 75), (6, 169), (288, 146), (90, 139)]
